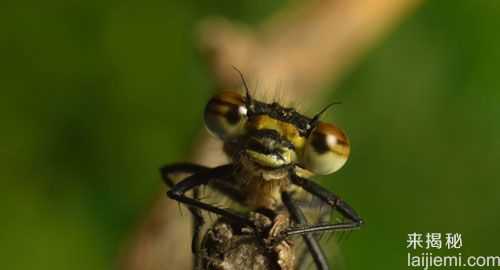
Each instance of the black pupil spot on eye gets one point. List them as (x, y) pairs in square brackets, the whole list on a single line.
[(318, 142), (233, 116)]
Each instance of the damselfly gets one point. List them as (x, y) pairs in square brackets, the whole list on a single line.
[(274, 150)]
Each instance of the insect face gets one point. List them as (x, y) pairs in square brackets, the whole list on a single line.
[(272, 143), (275, 137)]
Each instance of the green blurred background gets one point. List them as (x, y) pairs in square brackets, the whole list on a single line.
[(97, 95)]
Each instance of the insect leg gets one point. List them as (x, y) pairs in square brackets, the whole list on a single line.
[(168, 170), (323, 213), (329, 198), (300, 230), (311, 242), (189, 168), (203, 178)]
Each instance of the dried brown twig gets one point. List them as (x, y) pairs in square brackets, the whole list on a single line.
[(306, 46)]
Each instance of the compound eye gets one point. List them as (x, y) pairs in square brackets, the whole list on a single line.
[(326, 149), (225, 114)]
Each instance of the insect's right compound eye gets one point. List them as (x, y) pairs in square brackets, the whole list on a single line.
[(326, 149), (225, 114)]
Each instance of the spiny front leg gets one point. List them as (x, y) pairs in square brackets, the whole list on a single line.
[(203, 178), (167, 172), (311, 242), (329, 198)]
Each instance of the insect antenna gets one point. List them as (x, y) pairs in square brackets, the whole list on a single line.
[(248, 100), (318, 115)]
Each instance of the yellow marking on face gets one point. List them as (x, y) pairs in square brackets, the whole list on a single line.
[(286, 130), (270, 160)]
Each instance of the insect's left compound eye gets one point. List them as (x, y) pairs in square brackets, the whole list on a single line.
[(225, 114), (326, 149)]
